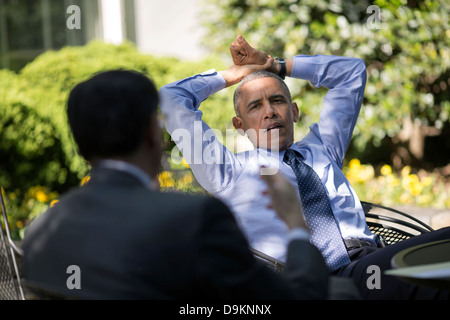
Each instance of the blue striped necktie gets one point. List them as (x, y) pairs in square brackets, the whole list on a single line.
[(325, 234)]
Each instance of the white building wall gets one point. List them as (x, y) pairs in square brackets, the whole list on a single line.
[(112, 13), (169, 27)]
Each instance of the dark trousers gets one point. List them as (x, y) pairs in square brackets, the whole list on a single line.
[(390, 287)]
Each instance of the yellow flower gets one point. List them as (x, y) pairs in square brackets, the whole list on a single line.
[(53, 202), (33, 191), (386, 170), (185, 163), (426, 181), (354, 164), (412, 184), (85, 180), (358, 173), (406, 170), (416, 189), (19, 224), (41, 196), (166, 180)]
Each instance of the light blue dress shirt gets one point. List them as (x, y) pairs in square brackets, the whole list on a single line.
[(235, 179)]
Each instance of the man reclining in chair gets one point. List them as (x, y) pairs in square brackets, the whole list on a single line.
[(266, 113)]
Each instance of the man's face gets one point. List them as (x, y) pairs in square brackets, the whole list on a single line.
[(265, 113)]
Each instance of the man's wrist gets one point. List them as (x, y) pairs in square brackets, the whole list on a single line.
[(281, 68), (298, 234), (230, 77)]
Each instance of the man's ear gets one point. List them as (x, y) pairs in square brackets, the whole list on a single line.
[(237, 123), (295, 111)]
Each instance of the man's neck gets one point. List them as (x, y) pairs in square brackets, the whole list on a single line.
[(127, 167)]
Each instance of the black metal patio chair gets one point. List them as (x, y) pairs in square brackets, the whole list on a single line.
[(272, 263), (10, 278), (390, 226)]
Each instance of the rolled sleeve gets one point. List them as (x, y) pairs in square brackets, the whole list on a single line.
[(304, 67)]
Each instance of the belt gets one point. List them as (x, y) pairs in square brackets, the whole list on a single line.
[(357, 243)]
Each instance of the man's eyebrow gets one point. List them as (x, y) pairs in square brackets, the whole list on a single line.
[(272, 97), (276, 96), (253, 102)]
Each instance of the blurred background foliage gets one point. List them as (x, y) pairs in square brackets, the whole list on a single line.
[(399, 151)]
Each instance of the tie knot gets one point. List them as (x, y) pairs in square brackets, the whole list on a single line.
[(291, 155)]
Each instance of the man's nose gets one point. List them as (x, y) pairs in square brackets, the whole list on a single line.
[(269, 110)]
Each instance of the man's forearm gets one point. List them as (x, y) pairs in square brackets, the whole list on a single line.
[(190, 92), (345, 78), (329, 71), (234, 74)]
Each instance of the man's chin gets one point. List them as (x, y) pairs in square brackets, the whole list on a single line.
[(273, 145)]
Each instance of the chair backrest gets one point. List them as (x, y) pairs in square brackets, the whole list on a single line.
[(391, 225), (10, 279), (270, 262)]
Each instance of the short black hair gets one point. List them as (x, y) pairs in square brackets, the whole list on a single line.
[(109, 113)]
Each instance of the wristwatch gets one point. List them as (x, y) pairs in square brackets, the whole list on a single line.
[(282, 64)]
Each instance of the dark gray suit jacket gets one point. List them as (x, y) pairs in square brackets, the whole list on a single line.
[(132, 243)]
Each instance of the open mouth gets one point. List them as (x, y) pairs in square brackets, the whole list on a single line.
[(274, 126)]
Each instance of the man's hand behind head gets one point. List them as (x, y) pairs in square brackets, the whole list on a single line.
[(242, 53), (234, 74)]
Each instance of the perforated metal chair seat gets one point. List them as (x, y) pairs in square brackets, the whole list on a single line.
[(389, 234)]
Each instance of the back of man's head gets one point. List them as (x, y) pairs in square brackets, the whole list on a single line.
[(109, 113)]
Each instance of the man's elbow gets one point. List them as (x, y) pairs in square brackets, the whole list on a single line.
[(360, 67), (163, 92), (165, 99), (358, 72)]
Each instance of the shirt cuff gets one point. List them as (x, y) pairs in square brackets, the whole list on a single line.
[(304, 67), (298, 234), (215, 81), (203, 84)]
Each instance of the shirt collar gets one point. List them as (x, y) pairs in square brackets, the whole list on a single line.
[(128, 168), (294, 147)]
